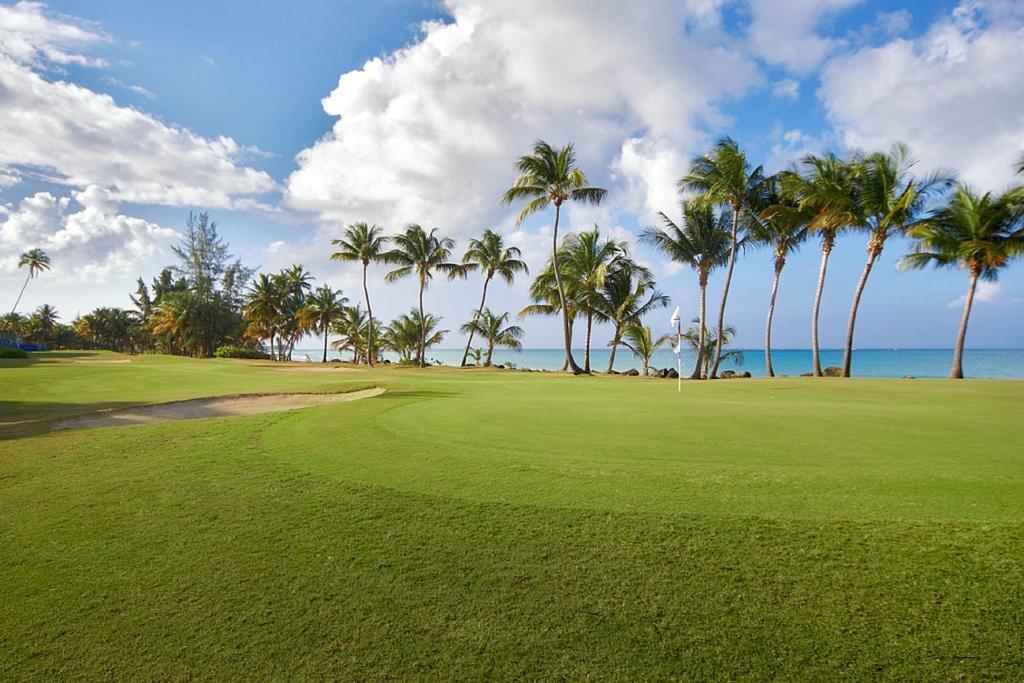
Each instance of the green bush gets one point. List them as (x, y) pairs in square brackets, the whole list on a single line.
[(239, 352), (12, 352)]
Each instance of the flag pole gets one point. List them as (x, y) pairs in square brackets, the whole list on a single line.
[(679, 350)]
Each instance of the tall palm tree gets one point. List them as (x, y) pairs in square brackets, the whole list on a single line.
[(495, 330), (890, 200), (546, 300), (548, 177), (36, 261), (638, 339), (418, 252), (628, 294), (703, 242), (492, 257), (323, 307), (588, 260), (977, 232), (781, 225), (723, 177), (364, 243), (826, 186)]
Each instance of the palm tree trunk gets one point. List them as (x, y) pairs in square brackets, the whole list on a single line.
[(779, 263), (476, 316), (423, 331), (826, 249), (586, 348), (21, 293), (615, 347), (326, 334), (873, 252), (725, 292), (570, 362), (369, 322), (957, 372), (698, 366), (272, 356), (490, 352)]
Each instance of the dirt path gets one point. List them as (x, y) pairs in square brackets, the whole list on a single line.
[(211, 407)]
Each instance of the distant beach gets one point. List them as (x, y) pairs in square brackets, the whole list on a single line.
[(978, 363)]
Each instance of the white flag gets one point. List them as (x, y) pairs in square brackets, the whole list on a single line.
[(675, 317)]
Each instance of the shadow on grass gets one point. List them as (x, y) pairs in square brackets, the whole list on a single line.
[(27, 418)]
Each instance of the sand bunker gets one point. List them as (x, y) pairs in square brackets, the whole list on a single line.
[(211, 407)]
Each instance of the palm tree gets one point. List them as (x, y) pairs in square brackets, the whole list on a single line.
[(44, 321), (36, 261), (492, 257), (262, 310), (890, 200), (323, 306), (413, 333), (694, 337), (364, 243), (588, 260), (495, 330), (350, 326), (546, 299), (628, 294), (638, 339), (548, 177), (827, 188), (980, 233), (781, 225), (724, 178), (703, 242), (420, 253)]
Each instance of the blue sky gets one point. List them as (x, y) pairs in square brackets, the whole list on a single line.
[(236, 107)]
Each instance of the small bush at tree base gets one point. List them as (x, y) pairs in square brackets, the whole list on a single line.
[(11, 352), (239, 352)]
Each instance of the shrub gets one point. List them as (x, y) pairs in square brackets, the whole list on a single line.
[(239, 352), (12, 352)]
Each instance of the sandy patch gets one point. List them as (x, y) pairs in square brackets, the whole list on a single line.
[(211, 407)]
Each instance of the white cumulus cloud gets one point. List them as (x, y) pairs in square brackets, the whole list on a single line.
[(85, 235), (954, 94), (75, 136), (430, 132)]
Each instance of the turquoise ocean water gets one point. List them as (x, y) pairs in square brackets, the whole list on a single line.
[(998, 363)]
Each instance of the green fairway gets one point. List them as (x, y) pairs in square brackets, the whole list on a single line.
[(472, 523)]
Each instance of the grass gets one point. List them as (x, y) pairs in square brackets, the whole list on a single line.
[(510, 525)]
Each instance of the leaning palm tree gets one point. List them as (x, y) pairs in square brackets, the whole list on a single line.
[(364, 243), (418, 252), (628, 294), (588, 259), (638, 339), (36, 261), (495, 330), (826, 187), (547, 301), (782, 226), (548, 177), (492, 257), (975, 232), (890, 200), (723, 177), (323, 307), (703, 242)]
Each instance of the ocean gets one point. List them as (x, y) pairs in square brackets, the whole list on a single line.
[(979, 363)]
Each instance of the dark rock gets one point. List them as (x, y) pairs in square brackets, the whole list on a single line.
[(745, 374), (728, 374), (672, 374), (807, 374), (909, 377), (632, 372), (832, 371)]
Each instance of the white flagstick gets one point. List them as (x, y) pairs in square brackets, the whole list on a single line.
[(679, 349)]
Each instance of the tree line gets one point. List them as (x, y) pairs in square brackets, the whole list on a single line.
[(210, 304)]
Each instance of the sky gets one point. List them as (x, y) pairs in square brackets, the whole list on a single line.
[(287, 121)]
